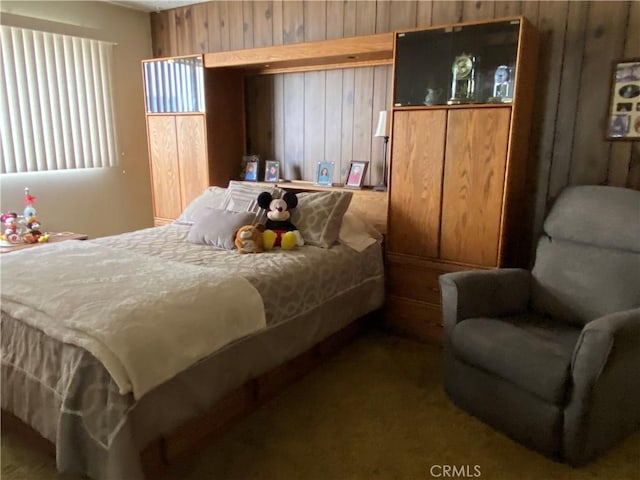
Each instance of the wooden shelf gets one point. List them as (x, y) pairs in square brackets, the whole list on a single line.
[(347, 52)]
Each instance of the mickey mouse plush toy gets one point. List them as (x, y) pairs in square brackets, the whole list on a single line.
[(279, 231)]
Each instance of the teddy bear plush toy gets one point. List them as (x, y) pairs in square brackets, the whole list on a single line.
[(249, 239), (279, 231)]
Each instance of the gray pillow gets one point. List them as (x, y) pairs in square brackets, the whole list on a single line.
[(318, 216), (212, 197), (218, 227)]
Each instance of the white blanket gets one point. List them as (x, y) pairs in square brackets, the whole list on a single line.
[(144, 318)]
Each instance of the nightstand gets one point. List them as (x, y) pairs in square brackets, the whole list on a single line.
[(53, 237)]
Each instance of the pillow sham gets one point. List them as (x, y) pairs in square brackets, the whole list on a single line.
[(318, 216), (212, 197), (217, 227), (241, 197)]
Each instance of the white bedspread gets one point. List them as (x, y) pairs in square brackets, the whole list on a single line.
[(144, 318)]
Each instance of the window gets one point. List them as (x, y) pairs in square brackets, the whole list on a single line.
[(56, 109)]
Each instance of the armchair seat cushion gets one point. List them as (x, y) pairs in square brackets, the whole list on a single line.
[(528, 350)]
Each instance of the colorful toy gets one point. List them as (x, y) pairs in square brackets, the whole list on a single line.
[(280, 232), (10, 222), (29, 209), (249, 239)]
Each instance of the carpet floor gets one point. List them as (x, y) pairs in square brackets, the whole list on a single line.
[(375, 410)]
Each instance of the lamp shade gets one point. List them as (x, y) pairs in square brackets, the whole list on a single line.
[(381, 130)]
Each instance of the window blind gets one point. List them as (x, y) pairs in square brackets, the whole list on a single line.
[(56, 105)]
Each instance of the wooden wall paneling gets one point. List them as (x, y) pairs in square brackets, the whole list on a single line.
[(315, 21), (259, 99), (403, 15), (159, 33), (445, 12), (478, 10), (383, 8), (200, 22), (363, 117), (604, 41), (293, 125), (333, 99), (235, 11), (192, 156), (474, 171), (225, 123), (552, 27), (163, 157), (365, 18), (530, 10), (349, 21), (568, 99), (216, 28), (335, 20), (278, 120), (423, 14), (225, 36), (620, 162), (248, 28), (293, 22), (348, 102), (185, 31), (333, 121), (172, 34), (278, 30), (507, 8), (314, 123), (417, 159), (263, 24)]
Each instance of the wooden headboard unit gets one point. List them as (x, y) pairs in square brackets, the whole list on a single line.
[(371, 204)]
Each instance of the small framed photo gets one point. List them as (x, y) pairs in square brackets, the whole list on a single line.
[(625, 92), (324, 174), (272, 171), (250, 168), (357, 171)]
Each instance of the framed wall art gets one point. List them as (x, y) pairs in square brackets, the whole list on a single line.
[(624, 109), (324, 174), (272, 171), (357, 171)]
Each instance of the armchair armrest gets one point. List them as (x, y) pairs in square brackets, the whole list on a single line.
[(605, 370), (483, 293)]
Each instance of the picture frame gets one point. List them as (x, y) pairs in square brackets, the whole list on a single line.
[(356, 173), (250, 168), (324, 173), (624, 106), (272, 171)]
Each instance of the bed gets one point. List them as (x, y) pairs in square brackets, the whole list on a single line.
[(106, 424)]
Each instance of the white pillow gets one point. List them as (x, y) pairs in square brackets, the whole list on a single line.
[(241, 197), (218, 227), (212, 197), (357, 233)]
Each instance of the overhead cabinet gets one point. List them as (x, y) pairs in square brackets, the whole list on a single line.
[(463, 96)]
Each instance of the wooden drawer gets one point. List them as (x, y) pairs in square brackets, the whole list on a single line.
[(414, 282)]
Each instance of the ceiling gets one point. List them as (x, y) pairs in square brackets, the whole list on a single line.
[(155, 5)]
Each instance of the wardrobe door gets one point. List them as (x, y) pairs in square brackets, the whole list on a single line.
[(163, 159), (192, 156), (474, 173), (416, 182)]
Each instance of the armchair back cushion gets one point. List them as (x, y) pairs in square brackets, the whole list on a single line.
[(588, 260)]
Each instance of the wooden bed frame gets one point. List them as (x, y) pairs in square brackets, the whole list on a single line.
[(203, 430)]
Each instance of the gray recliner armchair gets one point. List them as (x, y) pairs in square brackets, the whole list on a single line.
[(551, 357)]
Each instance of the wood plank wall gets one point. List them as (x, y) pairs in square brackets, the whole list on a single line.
[(302, 118)]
